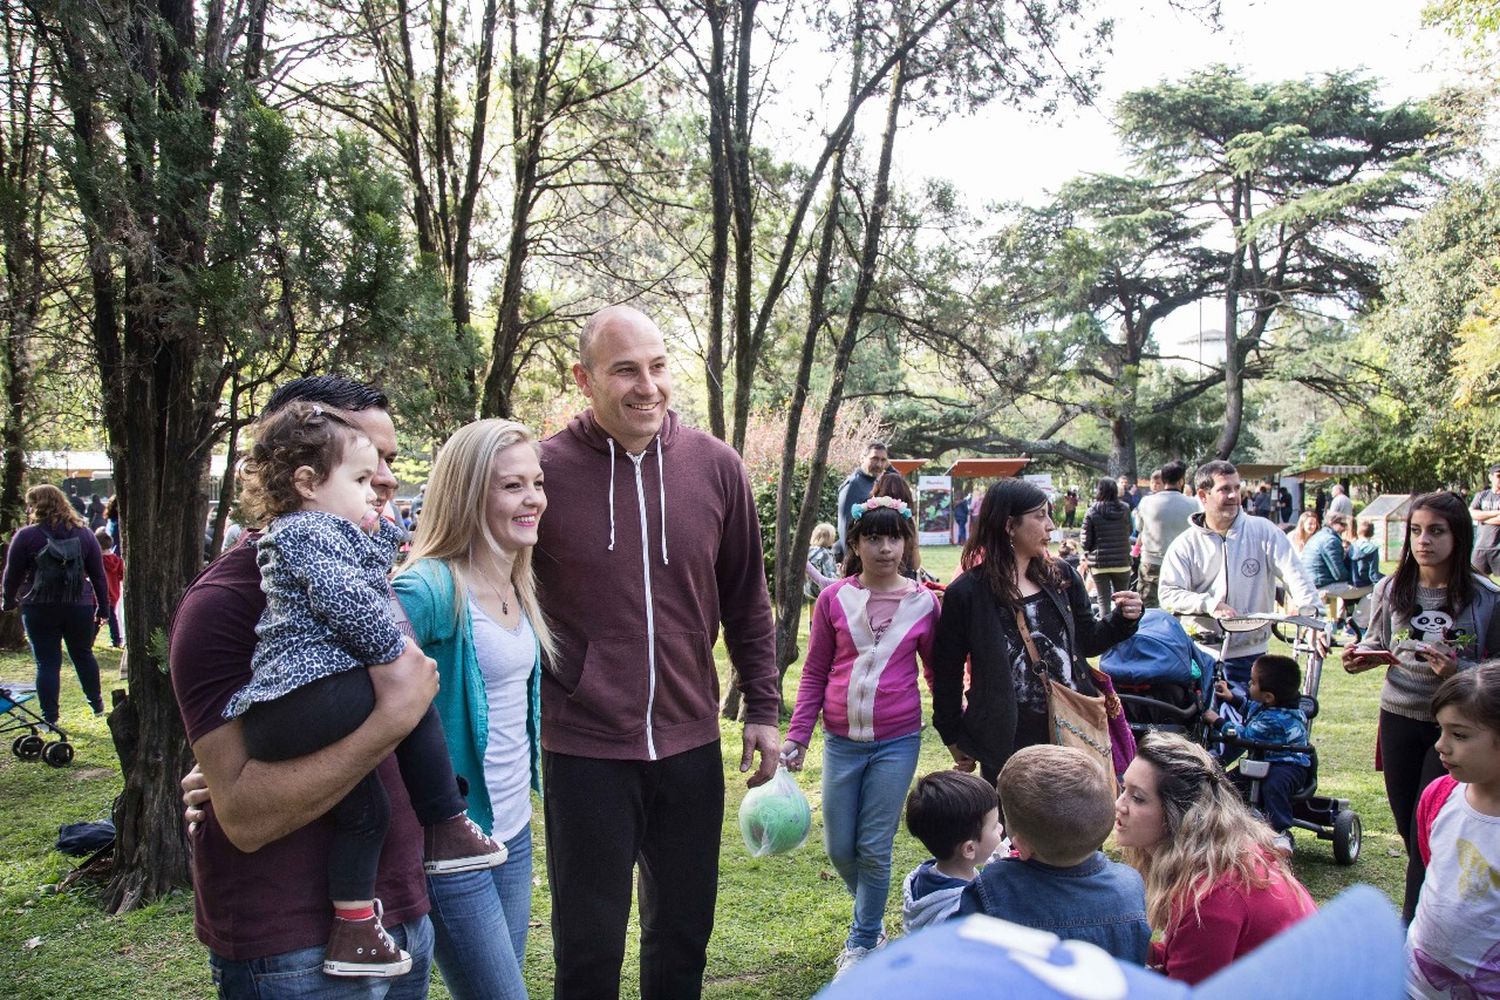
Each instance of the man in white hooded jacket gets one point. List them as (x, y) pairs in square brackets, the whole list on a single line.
[(1227, 563)]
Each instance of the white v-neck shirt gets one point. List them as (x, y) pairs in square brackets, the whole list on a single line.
[(506, 658)]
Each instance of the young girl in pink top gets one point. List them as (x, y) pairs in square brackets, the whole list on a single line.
[(1453, 947), (861, 673)]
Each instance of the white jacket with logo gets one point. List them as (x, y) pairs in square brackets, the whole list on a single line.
[(1240, 568)]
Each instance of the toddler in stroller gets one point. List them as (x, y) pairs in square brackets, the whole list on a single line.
[(1166, 681)]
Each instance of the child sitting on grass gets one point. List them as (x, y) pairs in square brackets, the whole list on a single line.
[(1058, 811), (1275, 716), (956, 816)]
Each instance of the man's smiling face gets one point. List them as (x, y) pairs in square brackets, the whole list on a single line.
[(626, 378)]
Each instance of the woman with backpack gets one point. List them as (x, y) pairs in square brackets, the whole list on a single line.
[(55, 566)]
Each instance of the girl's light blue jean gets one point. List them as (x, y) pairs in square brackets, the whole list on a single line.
[(480, 921), (864, 789)]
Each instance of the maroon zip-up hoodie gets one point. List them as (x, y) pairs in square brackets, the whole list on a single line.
[(636, 610)]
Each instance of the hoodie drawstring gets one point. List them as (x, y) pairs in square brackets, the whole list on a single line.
[(661, 478), (611, 493)]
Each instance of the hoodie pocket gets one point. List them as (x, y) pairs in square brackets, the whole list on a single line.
[(610, 696), (687, 682)]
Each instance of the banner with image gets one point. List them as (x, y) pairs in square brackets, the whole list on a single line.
[(935, 510)]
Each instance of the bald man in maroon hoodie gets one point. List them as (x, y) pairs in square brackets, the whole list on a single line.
[(630, 705)]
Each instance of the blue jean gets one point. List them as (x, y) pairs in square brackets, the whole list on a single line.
[(864, 788), (1276, 791), (48, 628), (299, 975), (475, 916)]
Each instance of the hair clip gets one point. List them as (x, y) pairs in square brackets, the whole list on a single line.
[(899, 506)]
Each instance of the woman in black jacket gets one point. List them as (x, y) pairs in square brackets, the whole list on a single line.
[(1106, 541), (1009, 577)]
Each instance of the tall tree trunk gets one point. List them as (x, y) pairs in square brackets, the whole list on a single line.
[(746, 344), (528, 131), (1234, 383), (718, 179), (789, 603)]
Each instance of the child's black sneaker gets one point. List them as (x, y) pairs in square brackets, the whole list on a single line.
[(457, 845), (363, 948)]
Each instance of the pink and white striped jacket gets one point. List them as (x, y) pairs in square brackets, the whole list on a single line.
[(866, 689)]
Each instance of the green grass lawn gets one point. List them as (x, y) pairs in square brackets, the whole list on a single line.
[(780, 920)]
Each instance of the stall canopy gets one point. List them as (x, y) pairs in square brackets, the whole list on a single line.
[(906, 466), (986, 468), (1319, 473), (1255, 472)]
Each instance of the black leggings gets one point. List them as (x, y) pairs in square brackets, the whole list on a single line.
[(324, 712), (1408, 756)]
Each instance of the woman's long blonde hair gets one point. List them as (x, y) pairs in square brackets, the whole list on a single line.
[(452, 526), (1211, 833)]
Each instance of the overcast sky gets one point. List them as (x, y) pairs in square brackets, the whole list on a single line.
[(1001, 155)]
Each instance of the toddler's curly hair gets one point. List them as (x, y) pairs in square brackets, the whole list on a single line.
[(298, 434)]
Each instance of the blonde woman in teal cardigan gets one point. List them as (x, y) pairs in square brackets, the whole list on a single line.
[(468, 592)]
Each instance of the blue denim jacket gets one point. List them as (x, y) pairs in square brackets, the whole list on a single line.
[(1099, 901)]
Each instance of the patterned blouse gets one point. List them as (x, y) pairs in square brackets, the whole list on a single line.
[(327, 604)]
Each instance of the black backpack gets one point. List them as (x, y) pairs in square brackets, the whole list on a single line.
[(58, 575)]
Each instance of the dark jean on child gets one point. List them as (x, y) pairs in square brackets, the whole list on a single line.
[(324, 712), (1276, 791)]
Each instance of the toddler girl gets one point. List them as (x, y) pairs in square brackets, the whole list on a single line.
[(822, 565), (861, 674), (323, 560), (1453, 946)]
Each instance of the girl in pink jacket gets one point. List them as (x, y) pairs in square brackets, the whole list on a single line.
[(861, 674)]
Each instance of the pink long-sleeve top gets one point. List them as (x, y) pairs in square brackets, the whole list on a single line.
[(861, 666)]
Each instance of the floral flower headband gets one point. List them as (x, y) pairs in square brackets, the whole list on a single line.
[(899, 506)]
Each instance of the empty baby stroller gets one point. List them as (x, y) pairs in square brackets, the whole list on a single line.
[(31, 744)]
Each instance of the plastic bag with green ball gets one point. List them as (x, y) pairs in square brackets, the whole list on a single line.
[(775, 817)]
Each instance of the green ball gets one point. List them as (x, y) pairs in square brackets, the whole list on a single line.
[(772, 821)]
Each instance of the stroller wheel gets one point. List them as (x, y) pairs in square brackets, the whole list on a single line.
[(28, 747), (1346, 837), (58, 754)]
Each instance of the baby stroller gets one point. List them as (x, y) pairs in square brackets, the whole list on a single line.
[(1164, 681), (16, 717), (1164, 657)]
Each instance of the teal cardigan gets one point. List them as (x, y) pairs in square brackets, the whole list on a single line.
[(426, 594)]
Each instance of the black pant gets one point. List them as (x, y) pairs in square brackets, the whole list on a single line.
[(603, 818), (48, 628), (324, 712), (1408, 756)]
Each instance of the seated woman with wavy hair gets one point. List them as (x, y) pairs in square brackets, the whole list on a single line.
[(1215, 885)]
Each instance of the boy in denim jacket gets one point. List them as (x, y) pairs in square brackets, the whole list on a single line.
[(1058, 810)]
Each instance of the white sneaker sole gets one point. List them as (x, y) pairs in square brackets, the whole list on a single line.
[(383, 971), (478, 862)]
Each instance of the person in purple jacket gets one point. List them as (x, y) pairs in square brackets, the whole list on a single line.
[(650, 543), (55, 566)]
